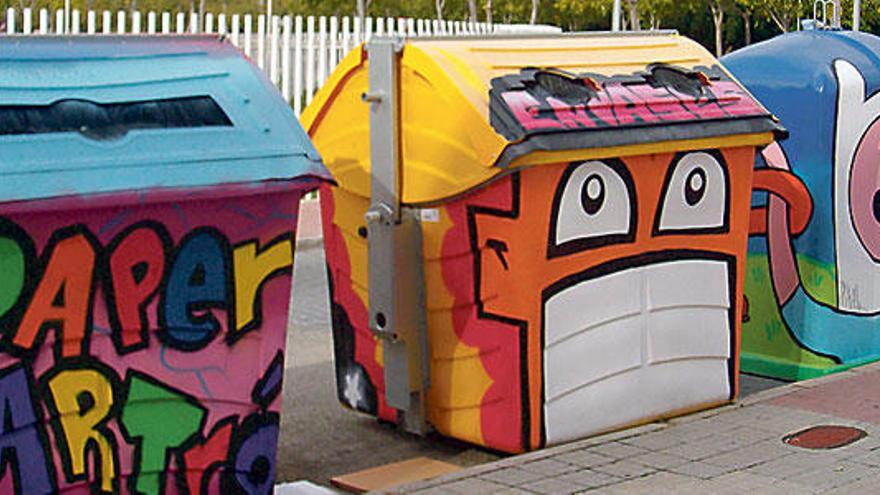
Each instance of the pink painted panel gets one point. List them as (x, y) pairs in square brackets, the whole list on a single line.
[(143, 339)]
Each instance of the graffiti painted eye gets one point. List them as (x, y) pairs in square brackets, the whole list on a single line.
[(695, 186), (694, 196), (594, 205), (864, 196), (593, 194)]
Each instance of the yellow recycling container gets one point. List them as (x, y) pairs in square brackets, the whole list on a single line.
[(580, 209)]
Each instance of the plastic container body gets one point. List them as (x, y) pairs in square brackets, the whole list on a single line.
[(584, 213), (145, 338), (149, 189), (535, 339), (813, 290)]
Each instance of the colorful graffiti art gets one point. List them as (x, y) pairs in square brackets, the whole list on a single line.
[(812, 277), (143, 340), (633, 267)]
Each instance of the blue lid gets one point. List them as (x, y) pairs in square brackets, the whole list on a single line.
[(87, 115)]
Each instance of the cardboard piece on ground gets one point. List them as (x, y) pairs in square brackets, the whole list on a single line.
[(398, 473)]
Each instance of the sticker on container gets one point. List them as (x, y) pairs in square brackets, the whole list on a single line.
[(430, 215)]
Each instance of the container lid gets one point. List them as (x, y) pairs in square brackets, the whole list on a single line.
[(97, 114), (474, 108)]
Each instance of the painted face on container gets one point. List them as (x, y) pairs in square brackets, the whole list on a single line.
[(637, 263), (857, 192)]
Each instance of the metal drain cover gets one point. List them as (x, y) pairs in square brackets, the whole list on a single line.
[(825, 437)]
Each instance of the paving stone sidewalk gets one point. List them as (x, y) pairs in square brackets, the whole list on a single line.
[(732, 449)]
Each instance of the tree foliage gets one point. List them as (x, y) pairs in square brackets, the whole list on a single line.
[(739, 22)]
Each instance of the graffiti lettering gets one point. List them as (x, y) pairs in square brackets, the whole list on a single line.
[(253, 267), (205, 274), (148, 385), (136, 264), (207, 456), (22, 443), (198, 283), (62, 300), (148, 400), (81, 402), (629, 101)]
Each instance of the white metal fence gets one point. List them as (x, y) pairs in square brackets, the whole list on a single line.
[(296, 52)]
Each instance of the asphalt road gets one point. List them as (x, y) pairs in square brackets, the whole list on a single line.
[(319, 438)]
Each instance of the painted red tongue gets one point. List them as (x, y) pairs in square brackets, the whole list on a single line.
[(825, 437)]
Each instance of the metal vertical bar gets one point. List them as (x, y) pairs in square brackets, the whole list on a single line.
[(395, 263)]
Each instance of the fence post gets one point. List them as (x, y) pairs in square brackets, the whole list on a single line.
[(10, 21), (389, 26), (59, 21), (357, 32), (285, 58), (120, 22), (322, 51), (151, 22), (297, 65), (334, 45), (136, 22), (194, 23), (310, 58), (166, 22), (44, 21), (346, 37), (273, 51), (27, 21), (368, 29), (179, 23), (248, 29), (261, 41), (221, 24), (75, 20), (209, 22), (236, 19)]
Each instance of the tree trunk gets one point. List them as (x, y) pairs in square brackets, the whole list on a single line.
[(472, 11), (533, 19), (634, 22), (718, 19), (747, 27), (361, 10), (489, 12), (783, 22), (439, 4)]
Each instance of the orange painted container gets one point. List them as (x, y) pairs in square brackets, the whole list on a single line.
[(584, 212)]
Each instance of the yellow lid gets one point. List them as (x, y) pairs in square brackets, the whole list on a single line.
[(473, 108)]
